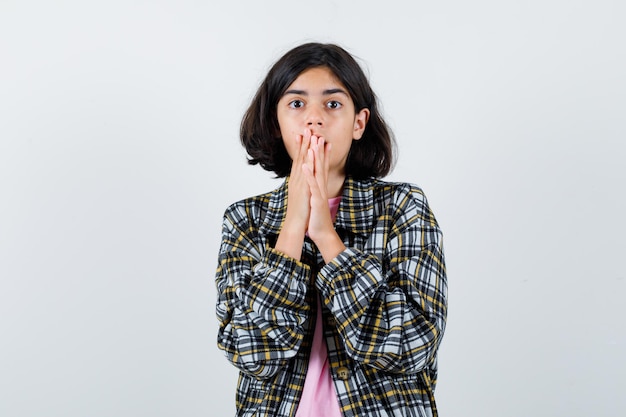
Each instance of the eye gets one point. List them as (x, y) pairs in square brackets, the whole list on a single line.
[(296, 104), (334, 104)]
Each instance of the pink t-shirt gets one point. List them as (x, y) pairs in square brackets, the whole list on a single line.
[(319, 398)]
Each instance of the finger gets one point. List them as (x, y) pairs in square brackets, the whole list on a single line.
[(322, 164), (327, 153), (320, 158), (294, 163), (307, 137), (311, 180), (301, 153), (310, 160), (303, 144)]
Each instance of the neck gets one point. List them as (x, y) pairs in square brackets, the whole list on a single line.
[(335, 184)]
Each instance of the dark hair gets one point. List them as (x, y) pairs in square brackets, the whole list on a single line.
[(371, 156)]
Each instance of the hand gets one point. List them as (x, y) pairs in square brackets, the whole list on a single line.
[(298, 194), (315, 170), (291, 237), (320, 225)]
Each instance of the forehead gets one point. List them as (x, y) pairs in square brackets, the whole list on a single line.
[(316, 78)]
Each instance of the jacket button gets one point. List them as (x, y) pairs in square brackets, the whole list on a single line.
[(342, 373), (330, 321)]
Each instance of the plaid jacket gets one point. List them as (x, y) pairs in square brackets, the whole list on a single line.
[(383, 303)]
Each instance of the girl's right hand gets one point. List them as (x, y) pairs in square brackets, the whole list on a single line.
[(291, 237)]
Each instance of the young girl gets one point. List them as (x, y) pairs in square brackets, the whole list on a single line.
[(331, 288)]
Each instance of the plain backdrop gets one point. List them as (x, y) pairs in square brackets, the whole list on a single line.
[(119, 152)]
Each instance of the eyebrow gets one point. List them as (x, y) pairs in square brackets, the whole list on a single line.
[(328, 92)]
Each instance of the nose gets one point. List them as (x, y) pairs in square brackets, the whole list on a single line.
[(314, 117)]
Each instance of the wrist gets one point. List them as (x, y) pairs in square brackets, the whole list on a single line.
[(290, 241), (329, 245)]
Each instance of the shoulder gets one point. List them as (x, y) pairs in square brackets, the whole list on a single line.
[(249, 210), (265, 209), (248, 203), (404, 199), (400, 193)]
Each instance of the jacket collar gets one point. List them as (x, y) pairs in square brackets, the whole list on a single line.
[(355, 214)]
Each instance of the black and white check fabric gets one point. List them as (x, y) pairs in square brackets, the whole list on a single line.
[(383, 303)]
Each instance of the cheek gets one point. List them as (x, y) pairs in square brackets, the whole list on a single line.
[(284, 116), (288, 131), (290, 145)]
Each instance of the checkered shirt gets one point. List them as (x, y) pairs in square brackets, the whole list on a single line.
[(383, 303)]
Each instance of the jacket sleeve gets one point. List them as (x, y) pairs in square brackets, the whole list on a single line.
[(261, 300), (389, 298)]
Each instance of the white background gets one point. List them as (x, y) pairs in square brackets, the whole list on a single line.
[(119, 153)]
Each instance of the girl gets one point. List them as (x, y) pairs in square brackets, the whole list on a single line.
[(331, 288)]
